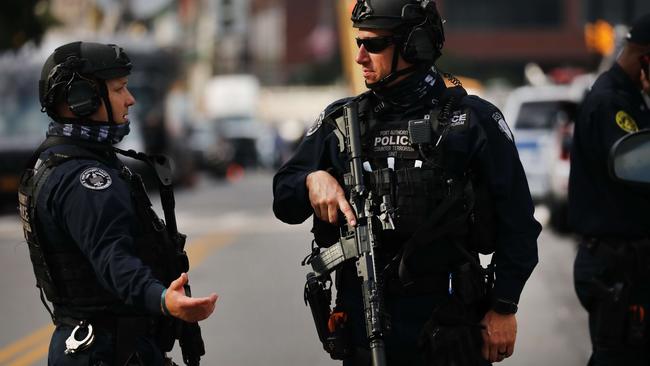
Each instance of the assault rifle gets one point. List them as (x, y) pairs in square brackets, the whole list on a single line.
[(188, 334), (355, 243)]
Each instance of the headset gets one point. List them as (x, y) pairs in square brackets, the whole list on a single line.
[(425, 40), (80, 93)]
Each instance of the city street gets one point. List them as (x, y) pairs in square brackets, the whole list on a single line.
[(252, 261)]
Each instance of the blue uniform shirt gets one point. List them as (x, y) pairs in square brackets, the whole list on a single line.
[(98, 216), (598, 205)]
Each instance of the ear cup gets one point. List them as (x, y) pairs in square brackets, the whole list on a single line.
[(82, 97), (53, 87), (419, 46)]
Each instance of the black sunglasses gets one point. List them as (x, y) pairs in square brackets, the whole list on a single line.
[(375, 44)]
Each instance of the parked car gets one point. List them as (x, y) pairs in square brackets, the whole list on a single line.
[(542, 118), (211, 152)]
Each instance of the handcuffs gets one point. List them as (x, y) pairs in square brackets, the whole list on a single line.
[(73, 345)]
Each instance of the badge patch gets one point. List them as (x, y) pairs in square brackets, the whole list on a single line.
[(503, 126), (95, 179), (317, 124), (626, 122)]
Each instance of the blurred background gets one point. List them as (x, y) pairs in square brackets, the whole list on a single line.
[(227, 89)]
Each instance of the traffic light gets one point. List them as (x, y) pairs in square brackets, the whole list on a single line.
[(600, 37)]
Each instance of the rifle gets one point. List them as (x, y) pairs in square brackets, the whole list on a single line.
[(357, 242), (188, 334)]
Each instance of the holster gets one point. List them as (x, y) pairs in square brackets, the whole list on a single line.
[(610, 315), (618, 321), (335, 341)]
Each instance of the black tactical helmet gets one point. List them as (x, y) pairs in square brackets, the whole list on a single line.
[(640, 31), (417, 23), (76, 73)]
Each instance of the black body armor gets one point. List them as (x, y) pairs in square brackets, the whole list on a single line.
[(66, 277), (440, 212)]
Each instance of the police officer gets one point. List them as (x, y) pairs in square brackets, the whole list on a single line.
[(612, 218), (99, 253), (469, 149)]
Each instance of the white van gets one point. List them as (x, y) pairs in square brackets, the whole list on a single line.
[(542, 119)]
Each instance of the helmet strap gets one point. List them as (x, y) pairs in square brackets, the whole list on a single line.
[(103, 93)]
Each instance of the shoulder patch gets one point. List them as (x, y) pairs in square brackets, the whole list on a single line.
[(626, 122), (95, 178), (503, 126), (317, 124)]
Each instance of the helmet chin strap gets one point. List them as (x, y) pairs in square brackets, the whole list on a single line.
[(394, 73), (103, 92)]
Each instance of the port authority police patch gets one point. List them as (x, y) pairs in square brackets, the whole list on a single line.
[(317, 124), (95, 179)]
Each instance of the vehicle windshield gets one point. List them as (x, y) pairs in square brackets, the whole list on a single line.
[(543, 115)]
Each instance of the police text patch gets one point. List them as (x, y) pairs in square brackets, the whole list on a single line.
[(626, 122), (392, 141), (95, 179), (458, 120)]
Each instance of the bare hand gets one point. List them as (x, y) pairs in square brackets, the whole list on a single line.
[(189, 309), (327, 198), (498, 336)]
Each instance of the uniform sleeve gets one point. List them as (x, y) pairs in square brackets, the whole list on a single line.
[(101, 222), (611, 120), (290, 197), (516, 228)]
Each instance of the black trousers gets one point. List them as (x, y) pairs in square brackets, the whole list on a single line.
[(408, 316), (589, 267)]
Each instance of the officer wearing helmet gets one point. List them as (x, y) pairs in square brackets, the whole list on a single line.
[(611, 274), (111, 269), (457, 189)]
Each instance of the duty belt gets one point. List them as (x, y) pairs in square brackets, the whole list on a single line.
[(623, 255), (126, 331)]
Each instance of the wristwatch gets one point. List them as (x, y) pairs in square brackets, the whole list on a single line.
[(504, 307)]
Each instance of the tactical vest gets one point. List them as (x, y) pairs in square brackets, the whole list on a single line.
[(433, 203), (65, 275)]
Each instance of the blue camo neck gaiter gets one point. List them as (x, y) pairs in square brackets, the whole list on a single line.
[(95, 132)]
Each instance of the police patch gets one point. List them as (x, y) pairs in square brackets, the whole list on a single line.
[(626, 122), (317, 124), (95, 179), (503, 126), (458, 120)]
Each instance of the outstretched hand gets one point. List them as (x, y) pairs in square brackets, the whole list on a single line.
[(327, 198), (189, 309)]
